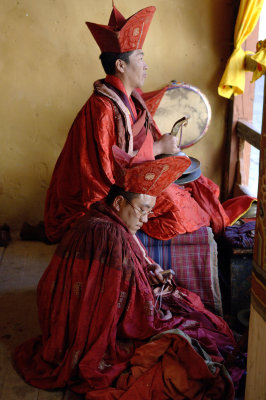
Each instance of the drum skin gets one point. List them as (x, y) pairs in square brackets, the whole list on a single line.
[(181, 99)]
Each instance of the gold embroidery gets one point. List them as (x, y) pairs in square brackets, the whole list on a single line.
[(77, 288), (149, 176), (148, 308), (136, 32), (121, 299), (102, 365), (164, 169)]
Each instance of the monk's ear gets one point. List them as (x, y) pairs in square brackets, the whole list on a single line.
[(120, 66), (118, 201)]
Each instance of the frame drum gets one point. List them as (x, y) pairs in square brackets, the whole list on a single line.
[(179, 100)]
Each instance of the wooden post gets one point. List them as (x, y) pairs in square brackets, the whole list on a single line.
[(256, 365)]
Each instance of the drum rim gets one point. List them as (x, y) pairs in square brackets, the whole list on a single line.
[(175, 85), (195, 164), (187, 178)]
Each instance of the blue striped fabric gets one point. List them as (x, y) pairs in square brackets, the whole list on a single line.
[(193, 257), (158, 250)]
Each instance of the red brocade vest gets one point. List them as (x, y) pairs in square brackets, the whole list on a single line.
[(84, 170)]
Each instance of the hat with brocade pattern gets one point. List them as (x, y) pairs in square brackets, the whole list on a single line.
[(122, 35), (143, 174)]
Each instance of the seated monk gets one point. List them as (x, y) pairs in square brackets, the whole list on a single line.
[(112, 325), (116, 114)]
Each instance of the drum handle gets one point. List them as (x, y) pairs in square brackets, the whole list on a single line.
[(178, 125)]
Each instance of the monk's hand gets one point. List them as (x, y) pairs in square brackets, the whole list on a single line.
[(167, 144), (155, 274)]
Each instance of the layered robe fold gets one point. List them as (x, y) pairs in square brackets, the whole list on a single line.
[(96, 307), (84, 170)]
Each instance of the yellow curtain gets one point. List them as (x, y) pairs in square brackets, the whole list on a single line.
[(233, 80), (260, 58)]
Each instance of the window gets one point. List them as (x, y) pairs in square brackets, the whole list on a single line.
[(247, 125), (257, 124), (257, 114)]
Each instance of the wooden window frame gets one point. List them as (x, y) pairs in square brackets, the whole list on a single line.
[(241, 135)]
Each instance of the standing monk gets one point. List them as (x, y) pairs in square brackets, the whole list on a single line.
[(116, 114)]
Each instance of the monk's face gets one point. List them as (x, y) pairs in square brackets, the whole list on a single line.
[(136, 212), (136, 70)]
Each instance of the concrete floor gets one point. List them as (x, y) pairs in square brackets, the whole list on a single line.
[(21, 266)]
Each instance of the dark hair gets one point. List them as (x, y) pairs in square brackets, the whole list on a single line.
[(108, 60), (118, 191)]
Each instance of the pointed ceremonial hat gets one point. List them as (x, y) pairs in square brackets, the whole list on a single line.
[(143, 174), (122, 35)]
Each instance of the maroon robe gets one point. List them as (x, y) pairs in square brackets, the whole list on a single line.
[(96, 307)]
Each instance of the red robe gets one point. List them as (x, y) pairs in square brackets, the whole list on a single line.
[(96, 307), (84, 170)]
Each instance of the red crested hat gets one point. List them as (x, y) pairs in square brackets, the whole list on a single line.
[(143, 174), (122, 35)]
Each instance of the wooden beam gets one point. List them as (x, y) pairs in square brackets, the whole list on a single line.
[(247, 132), (250, 64)]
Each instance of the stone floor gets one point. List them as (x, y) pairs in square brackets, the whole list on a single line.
[(21, 266)]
